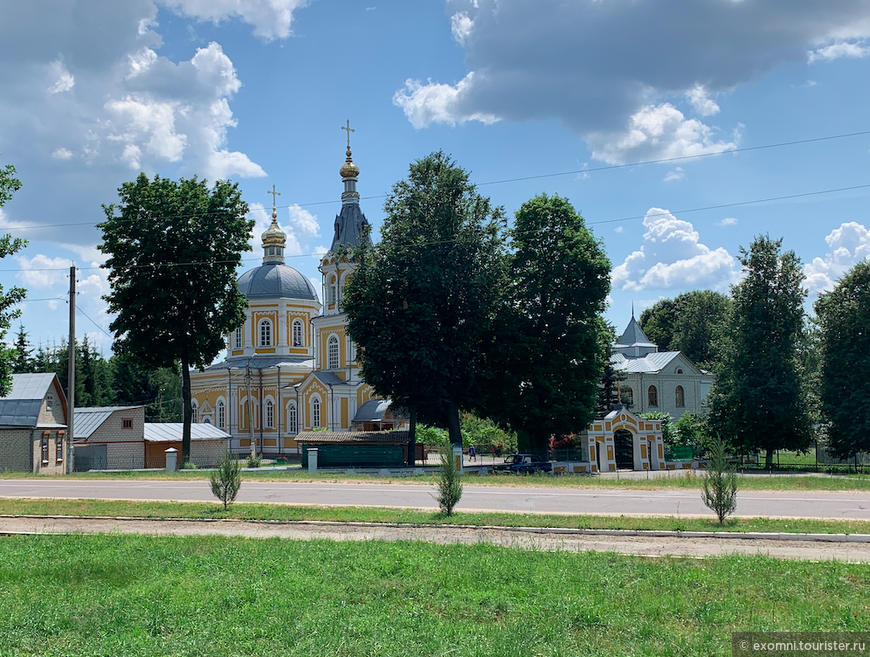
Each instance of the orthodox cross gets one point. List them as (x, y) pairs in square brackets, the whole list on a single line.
[(349, 130), (275, 196)]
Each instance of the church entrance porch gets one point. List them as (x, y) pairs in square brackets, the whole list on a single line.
[(623, 440)]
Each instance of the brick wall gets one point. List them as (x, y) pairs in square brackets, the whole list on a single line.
[(15, 450), (125, 455), (207, 453), (112, 430), (53, 466), (55, 414)]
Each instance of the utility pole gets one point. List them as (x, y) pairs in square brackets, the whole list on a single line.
[(71, 374)]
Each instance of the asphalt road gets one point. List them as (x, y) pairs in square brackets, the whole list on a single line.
[(600, 501)]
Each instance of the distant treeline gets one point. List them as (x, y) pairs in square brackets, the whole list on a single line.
[(120, 380)]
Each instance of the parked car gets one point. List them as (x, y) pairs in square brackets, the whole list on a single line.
[(523, 464)]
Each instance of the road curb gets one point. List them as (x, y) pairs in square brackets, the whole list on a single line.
[(561, 531)]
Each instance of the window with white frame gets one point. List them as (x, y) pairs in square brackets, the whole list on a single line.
[(49, 401), (238, 339), (315, 412), (292, 419), (58, 446), (270, 414), (221, 414), (44, 446), (330, 291), (653, 396), (265, 333), (297, 333), (194, 413), (332, 353)]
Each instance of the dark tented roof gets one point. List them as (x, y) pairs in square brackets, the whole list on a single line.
[(329, 378), (634, 336), (276, 281), (349, 226), (20, 408)]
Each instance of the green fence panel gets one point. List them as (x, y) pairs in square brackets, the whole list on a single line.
[(356, 456)]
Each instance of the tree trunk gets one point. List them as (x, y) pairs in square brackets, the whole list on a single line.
[(453, 427), (188, 412), (768, 459), (412, 437)]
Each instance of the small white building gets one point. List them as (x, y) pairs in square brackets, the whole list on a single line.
[(658, 381)]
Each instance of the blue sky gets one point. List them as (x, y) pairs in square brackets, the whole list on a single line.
[(95, 91)]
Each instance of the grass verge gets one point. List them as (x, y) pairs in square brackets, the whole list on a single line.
[(73, 596), (673, 479), (279, 512)]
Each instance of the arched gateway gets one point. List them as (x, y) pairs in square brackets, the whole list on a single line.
[(647, 446)]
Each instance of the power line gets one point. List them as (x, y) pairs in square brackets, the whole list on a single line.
[(610, 167), (720, 206)]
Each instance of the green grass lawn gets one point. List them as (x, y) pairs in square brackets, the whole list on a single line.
[(282, 512), (677, 479), (125, 596)]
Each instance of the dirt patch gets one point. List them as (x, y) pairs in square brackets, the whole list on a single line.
[(654, 546)]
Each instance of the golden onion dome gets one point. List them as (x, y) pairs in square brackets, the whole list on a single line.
[(349, 169), (273, 235)]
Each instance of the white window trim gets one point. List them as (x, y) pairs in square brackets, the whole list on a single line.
[(260, 326), (333, 339)]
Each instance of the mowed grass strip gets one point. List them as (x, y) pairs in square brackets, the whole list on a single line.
[(287, 513), (672, 479), (73, 596)]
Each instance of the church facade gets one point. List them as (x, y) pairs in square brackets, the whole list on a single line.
[(658, 381), (292, 366)]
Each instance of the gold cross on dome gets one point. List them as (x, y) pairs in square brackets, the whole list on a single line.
[(349, 130), (275, 196)]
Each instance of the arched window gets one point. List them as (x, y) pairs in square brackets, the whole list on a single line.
[(332, 353), (626, 396), (653, 396), (297, 333), (194, 413), (206, 421), (270, 414), (238, 340), (221, 414), (330, 291), (292, 419), (680, 395), (315, 412), (265, 333)]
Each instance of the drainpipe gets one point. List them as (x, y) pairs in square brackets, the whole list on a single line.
[(248, 410), (260, 372), (331, 408)]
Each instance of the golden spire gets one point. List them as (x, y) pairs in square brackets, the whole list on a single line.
[(275, 196), (348, 169)]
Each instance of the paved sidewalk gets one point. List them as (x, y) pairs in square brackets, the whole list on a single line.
[(574, 541)]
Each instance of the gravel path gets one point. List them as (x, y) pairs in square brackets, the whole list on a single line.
[(574, 541)]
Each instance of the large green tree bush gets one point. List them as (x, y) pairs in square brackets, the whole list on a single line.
[(8, 246), (550, 345), (422, 303), (844, 319), (173, 249), (758, 401)]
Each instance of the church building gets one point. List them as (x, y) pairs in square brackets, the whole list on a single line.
[(292, 366), (658, 381)]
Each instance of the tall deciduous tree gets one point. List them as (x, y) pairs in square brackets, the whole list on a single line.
[(550, 346), (422, 302), (691, 323), (758, 402), (173, 250), (8, 185), (844, 317)]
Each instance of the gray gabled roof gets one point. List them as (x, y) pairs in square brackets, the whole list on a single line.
[(329, 378), (89, 418), (171, 432), (261, 362), (20, 408)]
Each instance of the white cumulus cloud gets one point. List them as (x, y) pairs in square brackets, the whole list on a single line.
[(271, 19), (848, 245), (41, 272), (673, 257), (838, 49), (675, 174), (605, 68), (62, 154), (63, 79), (727, 221)]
